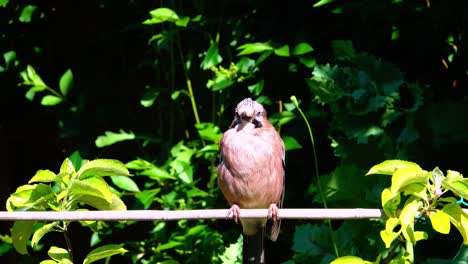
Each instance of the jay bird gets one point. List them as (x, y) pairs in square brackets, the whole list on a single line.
[(251, 174)]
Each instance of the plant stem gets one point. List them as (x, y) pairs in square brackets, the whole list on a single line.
[(68, 241), (322, 196), (189, 84)]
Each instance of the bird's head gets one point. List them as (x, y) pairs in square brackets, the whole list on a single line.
[(249, 111)]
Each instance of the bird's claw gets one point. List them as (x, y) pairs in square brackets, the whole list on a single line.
[(273, 212), (234, 212)]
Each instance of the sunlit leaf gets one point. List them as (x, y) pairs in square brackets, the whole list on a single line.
[(110, 138), (58, 254), (27, 13), (146, 197), (388, 167), (256, 88), (101, 203), (390, 234), (409, 175), (66, 82), (455, 182), (158, 174), (232, 253), (323, 2), (308, 62), (20, 233), (125, 183), (92, 186), (282, 51), (39, 233), (102, 167), (256, 47), (43, 176), (50, 100), (390, 202), (160, 15), (407, 215), (149, 97), (440, 222), (209, 131), (458, 218), (302, 48), (103, 252), (349, 260), (291, 143), (212, 57)]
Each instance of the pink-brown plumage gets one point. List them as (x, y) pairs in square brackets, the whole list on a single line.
[(251, 173)]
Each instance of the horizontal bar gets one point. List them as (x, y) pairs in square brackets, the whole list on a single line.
[(165, 215)]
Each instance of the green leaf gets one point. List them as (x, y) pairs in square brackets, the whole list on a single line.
[(183, 170), (27, 13), (158, 174), (102, 204), (102, 167), (389, 235), (39, 233), (406, 176), (282, 51), (50, 100), (308, 62), (390, 202), (209, 131), (92, 186), (281, 118), (256, 47), (104, 252), (440, 222), (50, 261), (323, 2), (58, 254), (149, 97), (66, 82), (183, 22), (43, 176), (302, 48), (388, 167), (20, 233), (4, 3), (212, 57), (146, 197), (458, 218), (256, 88), (110, 138), (232, 253), (125, 183), (455, 182), (32, 196), (416, 189), (160, 15), (407, 215), (308, 239), (349, 260), (291, 143)]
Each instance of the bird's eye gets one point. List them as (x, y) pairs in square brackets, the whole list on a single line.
[(259, 113)]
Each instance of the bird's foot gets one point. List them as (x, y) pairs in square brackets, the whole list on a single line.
[(273, 212), (234, 212)]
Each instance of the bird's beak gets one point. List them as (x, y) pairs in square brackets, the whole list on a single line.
[(246, 117)]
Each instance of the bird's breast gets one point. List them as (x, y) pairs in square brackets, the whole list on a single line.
[(251, 173)]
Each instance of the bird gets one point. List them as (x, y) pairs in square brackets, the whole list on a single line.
[(251, 175)]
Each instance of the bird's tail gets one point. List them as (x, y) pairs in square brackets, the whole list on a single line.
[(252, 250)]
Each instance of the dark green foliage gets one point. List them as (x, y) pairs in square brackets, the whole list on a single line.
[(154, 84)]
